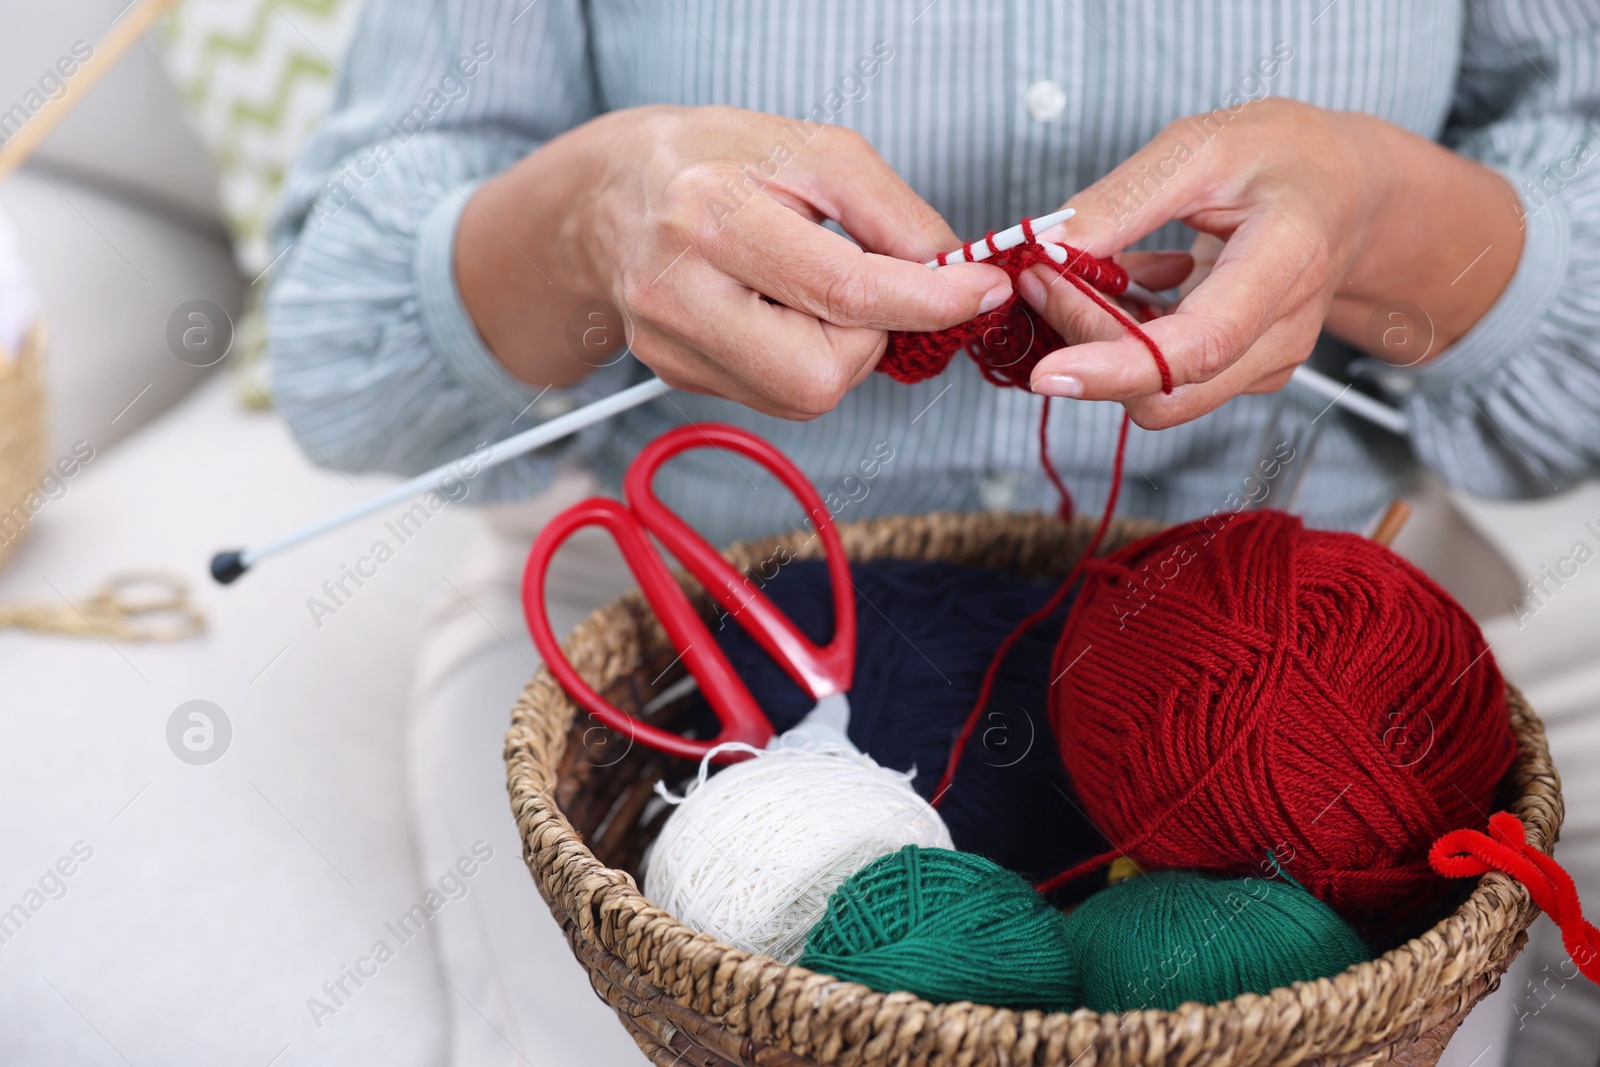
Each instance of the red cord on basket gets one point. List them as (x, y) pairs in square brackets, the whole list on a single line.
[(1469, 853), (989, 339)]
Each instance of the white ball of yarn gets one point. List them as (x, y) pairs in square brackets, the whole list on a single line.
[(752, 853)]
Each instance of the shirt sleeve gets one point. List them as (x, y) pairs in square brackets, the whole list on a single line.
[(1512, 409), (376, 364)]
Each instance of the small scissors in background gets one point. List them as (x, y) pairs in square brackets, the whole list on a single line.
[(136, 606), (825, 673)]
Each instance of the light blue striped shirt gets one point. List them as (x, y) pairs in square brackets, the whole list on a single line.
[(377, 365)]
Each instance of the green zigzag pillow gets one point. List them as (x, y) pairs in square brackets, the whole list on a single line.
[(257, 76)]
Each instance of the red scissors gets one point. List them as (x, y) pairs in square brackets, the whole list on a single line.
[(825, 673)]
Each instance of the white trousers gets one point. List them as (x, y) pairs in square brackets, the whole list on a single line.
[(518, 997)]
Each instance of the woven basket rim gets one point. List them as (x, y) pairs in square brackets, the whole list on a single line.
[(1427, 980)]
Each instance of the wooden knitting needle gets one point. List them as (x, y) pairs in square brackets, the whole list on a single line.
[(1393, 520), (123, 35)]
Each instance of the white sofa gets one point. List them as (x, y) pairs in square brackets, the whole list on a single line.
[(206, 904), (219, 898)]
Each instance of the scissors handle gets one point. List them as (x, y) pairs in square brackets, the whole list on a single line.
[(823, 671), (736, 709)]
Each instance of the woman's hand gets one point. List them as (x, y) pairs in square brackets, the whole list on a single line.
[(1308, 220), (700, 225)]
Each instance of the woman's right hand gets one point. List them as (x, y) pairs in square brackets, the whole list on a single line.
[(700, 225)]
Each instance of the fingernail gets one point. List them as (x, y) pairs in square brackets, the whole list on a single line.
[(1031, 288), (995, 297), (1058, 385)]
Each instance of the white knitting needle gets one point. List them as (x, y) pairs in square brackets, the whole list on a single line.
[(226, 566), (1352, 400), (229, 565), (1004, 239)]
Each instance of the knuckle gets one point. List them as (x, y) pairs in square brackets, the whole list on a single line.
[(1317, 265), (844, 139), (847, 298), (1213, 351), (1274, 108), (820, 389), (643, 301), (923, 216), (689, 213), (1153, 415), (1174, 130)]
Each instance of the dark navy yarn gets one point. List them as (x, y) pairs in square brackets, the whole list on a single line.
[(926, 633)]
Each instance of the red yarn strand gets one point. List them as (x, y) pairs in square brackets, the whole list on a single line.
[(1469, 853), (915, 357), (1128, 324), (1064, 509), (1044, 612)]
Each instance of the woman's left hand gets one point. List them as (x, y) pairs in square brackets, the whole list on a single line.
[(1325, 220)]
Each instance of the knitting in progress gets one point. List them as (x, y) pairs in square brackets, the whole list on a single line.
[(1272, 724), (991, 339)]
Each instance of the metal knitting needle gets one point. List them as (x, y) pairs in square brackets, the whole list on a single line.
[(227, 566), (1003, 240), (1346, 396)]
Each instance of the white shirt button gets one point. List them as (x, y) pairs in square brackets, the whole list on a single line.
[(1398, 384), (551, 407), (999, 492), (1046, 100)]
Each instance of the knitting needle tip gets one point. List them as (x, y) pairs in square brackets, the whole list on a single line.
[(1393, 520), (1135, 291), (1046, 222), (227, 566)]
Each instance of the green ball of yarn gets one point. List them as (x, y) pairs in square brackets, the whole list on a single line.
[(1170, 936), (946, 926)]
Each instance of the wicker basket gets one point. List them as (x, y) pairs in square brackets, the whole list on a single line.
[(21, 431), (689, 999)]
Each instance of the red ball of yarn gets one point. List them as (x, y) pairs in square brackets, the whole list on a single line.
[(1241, 684)]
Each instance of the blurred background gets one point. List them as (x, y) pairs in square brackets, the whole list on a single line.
[(202, 810)]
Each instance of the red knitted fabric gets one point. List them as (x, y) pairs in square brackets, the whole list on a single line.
[(1240, 685), (1468, 853), (1008, 342)]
